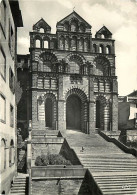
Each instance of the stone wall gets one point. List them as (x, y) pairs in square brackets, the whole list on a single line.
[(52, 187)]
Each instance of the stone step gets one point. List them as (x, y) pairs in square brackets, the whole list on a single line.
[(106, 170), (18, 190), (125, 176), (106, 159), (110, 166), (108, 162), (105, 165), (120, 192), (116, 177), (20, 181), (18, 193), (19, 184), (120, 180), (117, 184), (114, 190)]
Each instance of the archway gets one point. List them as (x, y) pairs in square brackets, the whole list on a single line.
[(73, 112), (48, 112), (98, 125), (100, 112)]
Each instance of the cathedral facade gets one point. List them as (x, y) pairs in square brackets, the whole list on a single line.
[(73, 82)]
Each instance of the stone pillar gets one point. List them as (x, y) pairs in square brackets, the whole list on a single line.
[(106, 117), (91, 116), (34, 111), (41, 114), (115, 106), (61, 105), (61, 115), (91, 106), (115, 113)]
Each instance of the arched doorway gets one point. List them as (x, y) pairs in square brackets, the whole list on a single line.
[(48, 112), (98, 125), (73, 112)]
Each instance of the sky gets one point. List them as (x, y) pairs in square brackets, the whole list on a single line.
[(119, 16)]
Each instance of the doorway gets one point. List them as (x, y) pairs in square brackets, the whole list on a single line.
[(98, 124), (48, 112), (73, 112)]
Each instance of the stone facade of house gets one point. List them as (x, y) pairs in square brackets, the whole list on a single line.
[(10, 20)]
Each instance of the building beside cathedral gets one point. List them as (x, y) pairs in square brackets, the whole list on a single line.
[(73, 80), (10, 21)]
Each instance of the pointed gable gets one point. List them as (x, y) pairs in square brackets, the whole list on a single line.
[(41, 24), (73, 17), (105, 32)]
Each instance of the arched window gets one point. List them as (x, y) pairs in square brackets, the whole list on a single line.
[(108, 50), (86, 45), (73, 26), (101, 49), (102, 36), (11, 153), (102, 66), (3, 154), (82, 28), (46, 44), (66, 26), (81, 44), (94, 48), (67, 43), (41, 30), (74, 43), (62, 43), (38, 44)]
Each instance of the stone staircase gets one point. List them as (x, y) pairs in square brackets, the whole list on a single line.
[(114, 171), (19, 186), (117, 184)]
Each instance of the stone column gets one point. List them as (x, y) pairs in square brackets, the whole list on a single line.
[(61, 115), (41, 114), (91, 106), (115, 106), (91, 116), (106, 117), (34, 111), (61, 105), (115, 113)]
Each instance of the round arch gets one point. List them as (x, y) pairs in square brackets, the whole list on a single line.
[(50, 110), (77, 108), (47, 61), (100, 106), (38, 41), (74, 61), (102, 65)]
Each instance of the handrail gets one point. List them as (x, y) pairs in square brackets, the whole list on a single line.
[(126, 149)]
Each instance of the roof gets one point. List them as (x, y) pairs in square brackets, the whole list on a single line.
[(42, 21), (16, 13), (134, 93), (104, 28), (77, 16)]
